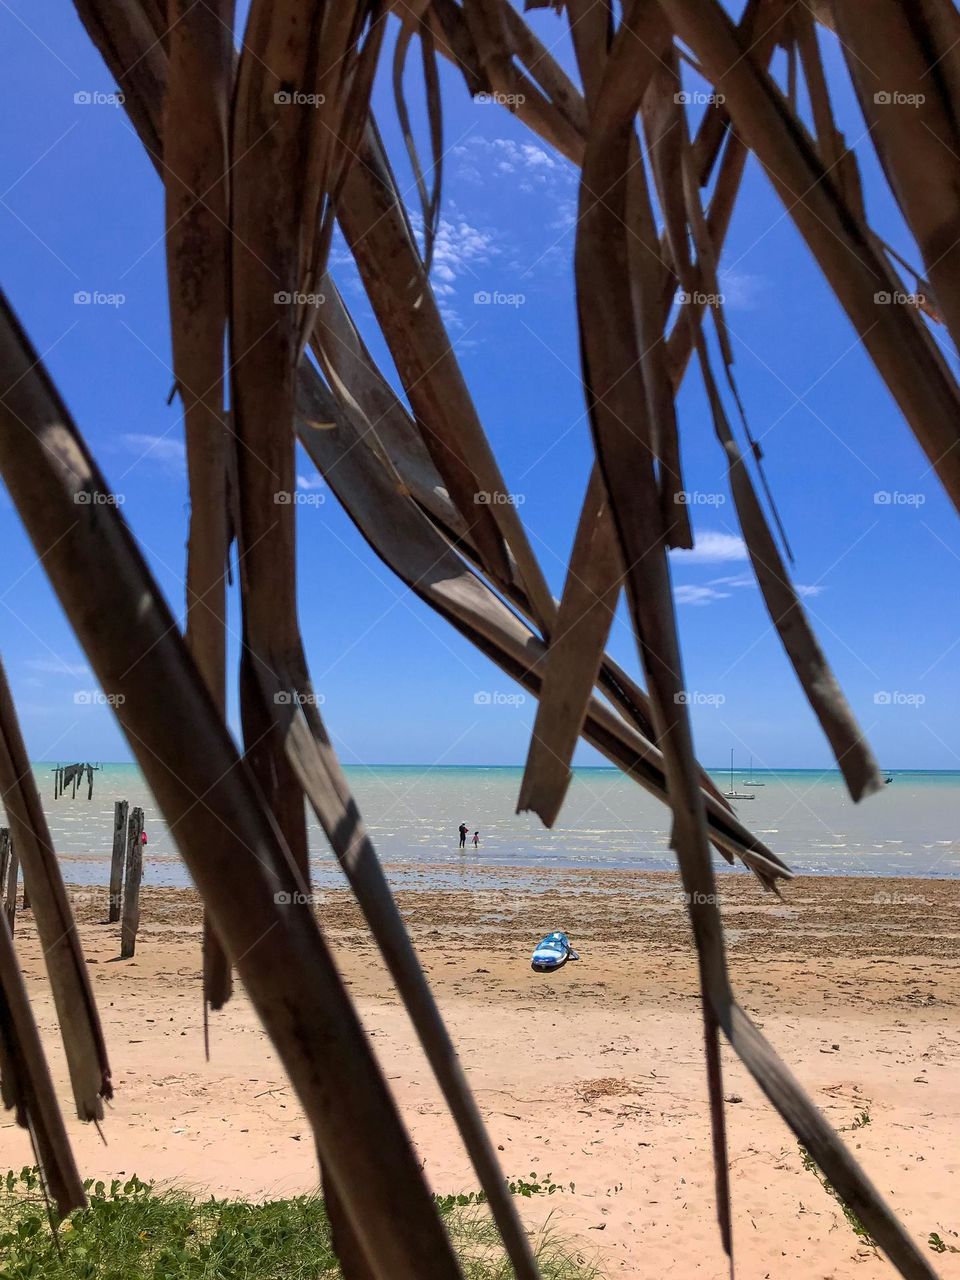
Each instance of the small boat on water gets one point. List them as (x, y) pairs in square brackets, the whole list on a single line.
[(750, 780), (733, 793)]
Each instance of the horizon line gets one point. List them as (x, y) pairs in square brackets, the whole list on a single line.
[(414, 764)]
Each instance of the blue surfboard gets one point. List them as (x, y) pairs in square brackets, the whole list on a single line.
[(552, 953)]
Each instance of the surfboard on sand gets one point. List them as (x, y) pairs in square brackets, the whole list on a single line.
[(552, 953)]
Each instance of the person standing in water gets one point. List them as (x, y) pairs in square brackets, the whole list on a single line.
[(476, 839), (463, 835)]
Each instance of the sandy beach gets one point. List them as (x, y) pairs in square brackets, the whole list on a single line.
[(855, 981)]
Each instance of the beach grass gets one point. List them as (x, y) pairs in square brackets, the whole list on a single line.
[(131, 1230)]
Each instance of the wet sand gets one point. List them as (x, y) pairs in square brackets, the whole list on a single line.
[(592, 1075)]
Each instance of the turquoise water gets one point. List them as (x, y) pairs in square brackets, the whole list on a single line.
[(413, 812)]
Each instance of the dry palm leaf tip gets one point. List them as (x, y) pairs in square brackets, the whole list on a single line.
[(264, 141)]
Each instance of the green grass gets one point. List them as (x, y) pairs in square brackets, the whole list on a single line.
[(132, 1231)]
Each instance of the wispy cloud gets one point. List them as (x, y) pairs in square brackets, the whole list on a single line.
[(713, 548), (58, 667), (741, 291), (748, 580), (167, 450), (688, 594), (310, 482)]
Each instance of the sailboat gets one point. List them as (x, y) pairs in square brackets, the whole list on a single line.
[(750, 780), (733, 793)]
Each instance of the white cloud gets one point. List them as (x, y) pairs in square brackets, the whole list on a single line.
[(748, 580), (310, 482), (504, 156), (741, 291), (458, 246), (713, 548), (687, 594), (168, 449)]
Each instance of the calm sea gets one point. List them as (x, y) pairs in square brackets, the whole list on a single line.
[(413, 812)]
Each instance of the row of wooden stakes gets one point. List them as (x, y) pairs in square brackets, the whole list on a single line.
[(126, 873)]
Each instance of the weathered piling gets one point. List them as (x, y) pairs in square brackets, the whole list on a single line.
[(130, 915), (118, 859), (5, 845), (9, 870)]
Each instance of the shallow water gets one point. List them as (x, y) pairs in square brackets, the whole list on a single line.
[(608, 821)]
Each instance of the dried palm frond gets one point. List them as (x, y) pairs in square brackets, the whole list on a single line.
[(195, 168), (79, 1021), (232, 844)]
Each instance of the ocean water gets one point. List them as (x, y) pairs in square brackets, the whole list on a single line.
[(412, 813)]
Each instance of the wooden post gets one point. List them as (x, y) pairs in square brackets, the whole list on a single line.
[(8, 884), (130, 917), (120, 809), (4, 858)]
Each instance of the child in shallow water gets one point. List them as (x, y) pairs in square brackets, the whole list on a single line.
[(476, 839)]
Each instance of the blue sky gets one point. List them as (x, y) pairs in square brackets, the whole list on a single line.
[(82, 211)]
